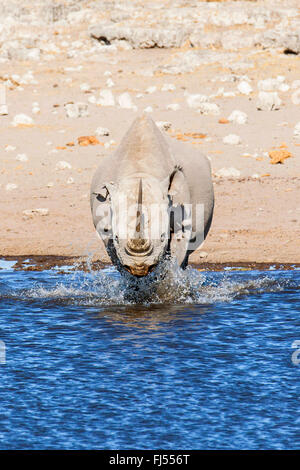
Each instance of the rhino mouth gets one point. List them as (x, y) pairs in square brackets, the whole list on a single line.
[(139, 271)]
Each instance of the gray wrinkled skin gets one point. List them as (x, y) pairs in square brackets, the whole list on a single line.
[(144, 200)]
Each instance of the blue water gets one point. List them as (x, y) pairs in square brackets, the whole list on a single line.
[(203, 361)]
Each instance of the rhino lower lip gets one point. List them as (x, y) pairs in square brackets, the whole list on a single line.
[(139, 271)]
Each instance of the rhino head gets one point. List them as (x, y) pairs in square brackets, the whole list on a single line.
[(136, 229), (139, 224)]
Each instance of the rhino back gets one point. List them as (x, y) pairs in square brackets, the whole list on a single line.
[(144, 150)]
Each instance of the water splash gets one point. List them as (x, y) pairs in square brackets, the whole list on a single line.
[(168, 284)]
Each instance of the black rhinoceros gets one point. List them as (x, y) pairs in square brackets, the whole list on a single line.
[(152, 199)]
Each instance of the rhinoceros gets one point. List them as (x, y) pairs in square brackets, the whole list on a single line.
[(151, 199)]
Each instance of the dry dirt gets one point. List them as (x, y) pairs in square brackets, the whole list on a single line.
[(257, 214)]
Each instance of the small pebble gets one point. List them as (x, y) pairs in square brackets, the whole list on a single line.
[(173, 107), (22, 157), (9, 148), (62, 165), (232, 139), (10, 186), (230, 172), (239, 117), (22, 120), (297, 130), (168, 87), (76, 110), (126, 102), (151, 89), (244, 88), (102, 131)]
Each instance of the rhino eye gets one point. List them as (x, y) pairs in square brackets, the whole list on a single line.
[(117, 238), (162, 237)]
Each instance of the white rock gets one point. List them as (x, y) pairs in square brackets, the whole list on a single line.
[(239, 117), (202, 254), (22, 157), (9, 148), (268, 101), (85, 87), (62, 165), (76, 110), (110, 83), (50, 184), (3, 109), (163, 125), (229, 94), (126, 102), (194, 101), (33, 54), (151, 89), (245, 88), (271, 84), (232, 139), (230, 172), (296, 84), (40, 211), (100, 131), (106, 98), (10, 186), (149, 109), (92, 99), (284, 87), (297, 130), (173, 107), (36, 109), (168, 87), (109, 144), (70, 180), (107, 73), (209, 108), (22, 120)]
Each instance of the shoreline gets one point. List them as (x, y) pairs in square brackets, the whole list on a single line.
[(78, 263)]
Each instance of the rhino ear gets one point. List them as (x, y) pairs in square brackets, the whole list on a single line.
[(178, 188), (104, 191)]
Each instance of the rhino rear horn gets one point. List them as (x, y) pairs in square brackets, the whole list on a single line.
[(139, 226)]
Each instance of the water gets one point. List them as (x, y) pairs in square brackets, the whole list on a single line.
[(203, 361)]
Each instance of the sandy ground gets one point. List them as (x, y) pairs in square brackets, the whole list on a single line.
[(256, 217)]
